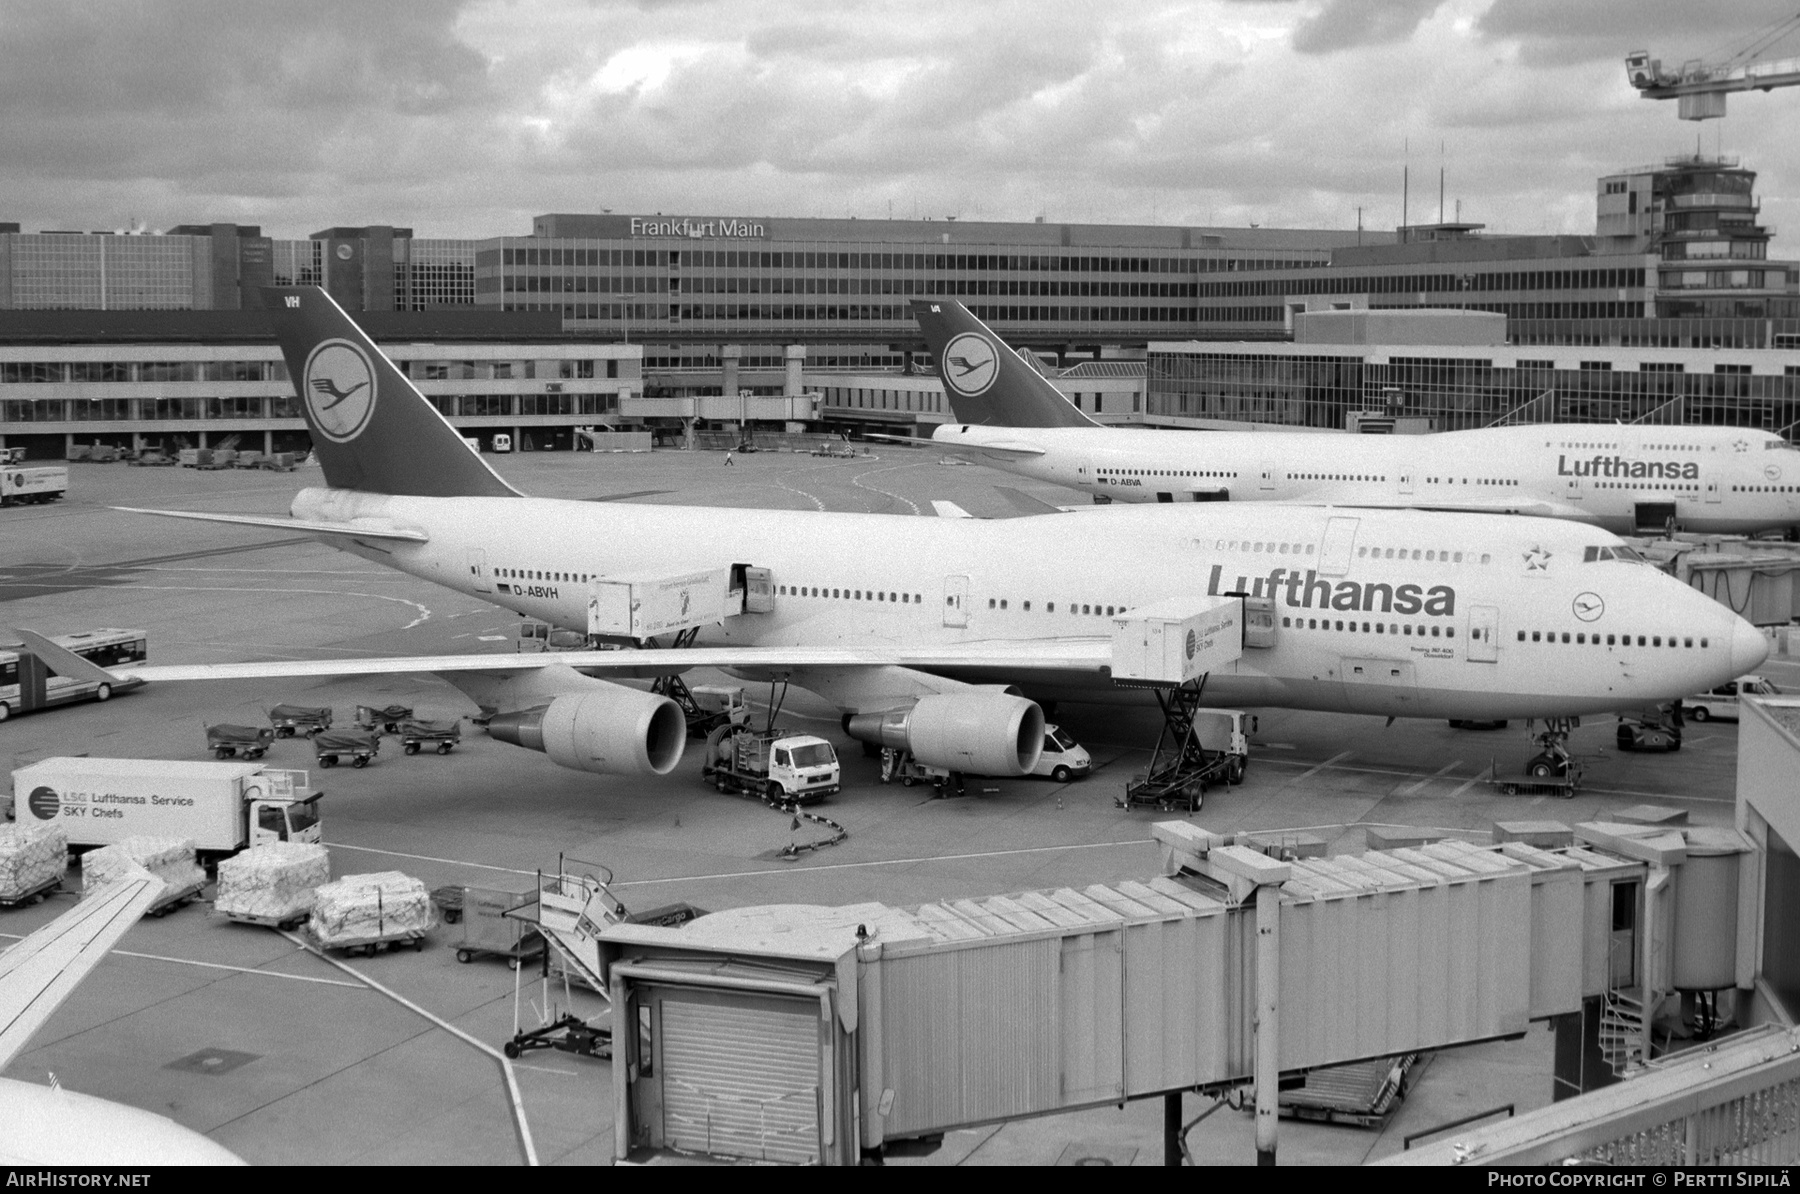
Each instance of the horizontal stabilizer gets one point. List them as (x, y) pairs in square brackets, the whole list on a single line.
[(367, 528)]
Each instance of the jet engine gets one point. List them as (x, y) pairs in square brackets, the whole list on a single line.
[(611, 730), (983, 733)]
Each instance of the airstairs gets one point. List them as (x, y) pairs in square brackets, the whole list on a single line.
[(573, 908), (1622, 1030)]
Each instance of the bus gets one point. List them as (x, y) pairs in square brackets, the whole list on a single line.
[(109, 648), (28, 683)]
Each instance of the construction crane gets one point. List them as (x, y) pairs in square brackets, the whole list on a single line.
[(1701, 85)]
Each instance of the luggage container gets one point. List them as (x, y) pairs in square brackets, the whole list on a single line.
[(442, 736), (289, 720), (389, 717), (487, 929), (229, 741), (36, 484), (333, 746)]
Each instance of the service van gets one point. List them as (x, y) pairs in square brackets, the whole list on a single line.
[(1721, 704), (1063, 758)]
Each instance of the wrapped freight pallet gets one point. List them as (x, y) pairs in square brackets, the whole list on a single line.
[(32, 860), (170, 859), (272, 884), (367, 909)]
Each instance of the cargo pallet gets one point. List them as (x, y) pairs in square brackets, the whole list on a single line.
[(390, 719), (31, 895), (442, 736)]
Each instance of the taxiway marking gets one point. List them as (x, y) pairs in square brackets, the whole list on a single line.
[(1438, 774), (1333, 761)]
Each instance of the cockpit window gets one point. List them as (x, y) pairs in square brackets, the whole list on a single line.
[(1621, 552)]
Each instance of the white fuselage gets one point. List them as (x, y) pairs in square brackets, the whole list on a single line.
[(1717, 479), (1397, 612)]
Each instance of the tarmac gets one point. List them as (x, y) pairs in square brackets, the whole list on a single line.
[(287, 1058)]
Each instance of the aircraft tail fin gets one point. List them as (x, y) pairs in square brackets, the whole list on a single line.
[(371, 427), (63, 661), (985, 381)]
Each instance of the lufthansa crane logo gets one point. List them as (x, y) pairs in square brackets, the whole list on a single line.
[(970, 364), (339, 388), (1192, 644), (1588, 606)]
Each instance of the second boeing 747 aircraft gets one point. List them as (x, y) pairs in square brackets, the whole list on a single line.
[(1732, 480)]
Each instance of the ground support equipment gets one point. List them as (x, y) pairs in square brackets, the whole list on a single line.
[(357, 746), (288, 720), (368, 717), (1363, 1094), (248, 742), (1563, 786), (1180, 767), (175, 897), (441, 736), (286, 924), (32, 895), (370, 946), (449, 901)]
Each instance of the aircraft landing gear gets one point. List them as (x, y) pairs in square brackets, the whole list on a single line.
[(1553, 758)]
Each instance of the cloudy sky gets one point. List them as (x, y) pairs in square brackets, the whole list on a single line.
[(468, 117)]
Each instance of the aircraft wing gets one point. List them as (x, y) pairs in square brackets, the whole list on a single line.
[(997, 449), (38, 973), (366, 528), (1027, 655)]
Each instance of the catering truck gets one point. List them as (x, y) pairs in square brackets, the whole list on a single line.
[(22, 484), (220, 807)]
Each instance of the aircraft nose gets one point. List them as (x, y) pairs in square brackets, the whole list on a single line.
[(1748, 648)]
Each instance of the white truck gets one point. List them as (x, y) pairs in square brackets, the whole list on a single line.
[(22, 484), (220, 807), (781, 768)]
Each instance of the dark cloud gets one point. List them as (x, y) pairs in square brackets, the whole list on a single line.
[(1343, 24), (1559, 32)]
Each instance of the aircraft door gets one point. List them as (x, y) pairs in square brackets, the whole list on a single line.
[(1484, 631), (1712, 493), (478, 572), (1268, 475), (1406, 482), (1572, 488), (956, 601), (1339, 545)]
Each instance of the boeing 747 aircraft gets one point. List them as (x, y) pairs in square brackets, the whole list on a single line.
[(936, 634), (1622, 477)]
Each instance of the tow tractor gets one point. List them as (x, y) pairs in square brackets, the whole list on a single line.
[(1657, 728)]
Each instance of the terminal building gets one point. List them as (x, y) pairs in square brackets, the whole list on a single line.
[(1671, 311)]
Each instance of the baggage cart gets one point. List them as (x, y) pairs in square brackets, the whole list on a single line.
[(1539, 781), (358, 746), (284, 923), (289, 720), (153, 458), (388, 717), (32, 895), (441, 735), (176, 897), (248, 742), (371, 944)]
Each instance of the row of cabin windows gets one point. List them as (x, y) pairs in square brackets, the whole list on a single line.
[(539, 574), (1408, 629), (1646, 485), (1622, 640), (1765, 489), (830, 594), (1426, 554), (1075, 607), (1162, 472)]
